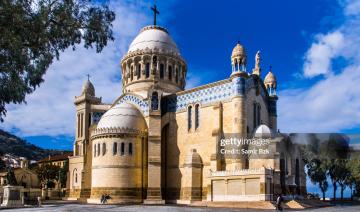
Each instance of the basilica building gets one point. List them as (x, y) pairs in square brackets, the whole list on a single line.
[(159, 143)]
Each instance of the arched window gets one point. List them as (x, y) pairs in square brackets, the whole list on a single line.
[(130, 148), (94, 150), (78, 125), (81, 124), (103, 148), (89, 122), (189, 117), (256, 114), (155, 101), (176, 75), (147, 70), (122, 148), (76, 178), (114, 148), (161, 71), (98, 149), (170, 73), (131, 73), (197, 120), (138, 71)]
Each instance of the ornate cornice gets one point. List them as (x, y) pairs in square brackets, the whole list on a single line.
[(160, 52), (154, 27), (117, 132)]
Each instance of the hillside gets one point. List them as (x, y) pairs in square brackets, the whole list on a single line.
[(14, 145)]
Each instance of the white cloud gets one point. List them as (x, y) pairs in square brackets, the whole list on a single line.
[(333, 103), (50, 109), (319, 56)]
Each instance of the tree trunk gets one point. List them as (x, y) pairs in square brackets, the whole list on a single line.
[(351, 192), (342, 187), (334, 192), (323, 193)]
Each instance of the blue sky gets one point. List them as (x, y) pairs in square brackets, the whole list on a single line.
[(306, 42), (313, 47)]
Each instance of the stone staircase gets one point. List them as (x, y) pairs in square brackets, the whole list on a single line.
[(244, 204), (293, 204)]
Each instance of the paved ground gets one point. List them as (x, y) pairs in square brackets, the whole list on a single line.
[(131, 208)]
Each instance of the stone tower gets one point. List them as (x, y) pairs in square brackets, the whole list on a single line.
[(238, 77), (270, 84), (82, 149)]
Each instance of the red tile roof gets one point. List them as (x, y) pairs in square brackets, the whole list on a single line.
[(56, 157)]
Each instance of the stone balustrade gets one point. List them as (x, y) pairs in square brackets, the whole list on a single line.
[(240, 172)]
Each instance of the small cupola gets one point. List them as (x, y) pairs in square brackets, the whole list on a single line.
[(238, 58), (88, 88), (270, 83)]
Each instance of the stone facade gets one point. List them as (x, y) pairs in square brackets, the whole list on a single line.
[(159, 143)]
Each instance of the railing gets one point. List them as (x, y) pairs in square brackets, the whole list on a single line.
[(238, 172), (116, 131)]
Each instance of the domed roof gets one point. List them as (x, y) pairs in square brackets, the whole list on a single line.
[(263, 131), (270, 78), (88, 88), (154, 37), (123, 116), (238, 51)]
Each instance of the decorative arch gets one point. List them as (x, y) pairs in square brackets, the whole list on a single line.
[(155, 101), (189, 117), (75, 177), (197, 116), (136, 100)]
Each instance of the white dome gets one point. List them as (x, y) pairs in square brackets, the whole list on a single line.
[(122, 116), (154, 37), (263, 131)]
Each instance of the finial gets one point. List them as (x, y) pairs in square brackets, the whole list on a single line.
[(257, 60), (88, 76), (156, 12), (270, 68)]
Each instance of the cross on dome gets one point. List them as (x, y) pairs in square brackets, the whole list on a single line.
[(156, 12)]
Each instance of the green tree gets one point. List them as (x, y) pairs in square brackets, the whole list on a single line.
[(343, 175), (354, 167), (47, 174), (316, 170), (350, 180), (33, 33), (336, 151), (2, 165), (10, 177), (63, 174)]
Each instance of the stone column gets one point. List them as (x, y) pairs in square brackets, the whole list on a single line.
[(239, 118), (166, 70), (154, 194), (142, 68), (192, 179)]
